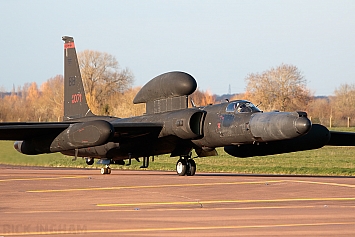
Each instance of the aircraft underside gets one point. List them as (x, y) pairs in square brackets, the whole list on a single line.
[(123, 153), (184, 166)]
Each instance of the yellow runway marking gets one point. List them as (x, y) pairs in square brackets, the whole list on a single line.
[(170, 209), (225, 201), (172, 229), (188, 185), (48, 178), (165, 209), (150, 186), (323, 183)]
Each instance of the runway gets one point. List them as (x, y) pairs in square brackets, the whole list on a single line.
[(57, 201)]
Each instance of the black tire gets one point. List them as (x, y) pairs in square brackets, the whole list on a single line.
[(89, 161), (181, 167), (191, 167)]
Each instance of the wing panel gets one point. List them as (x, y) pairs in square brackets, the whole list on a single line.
[(25, 131), (341, 138)]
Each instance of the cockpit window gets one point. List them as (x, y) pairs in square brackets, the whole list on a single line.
[(231, 107), (242, 107)]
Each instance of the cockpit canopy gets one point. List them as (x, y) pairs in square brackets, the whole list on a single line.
[(241, 106)]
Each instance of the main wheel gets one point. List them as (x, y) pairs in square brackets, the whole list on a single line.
[(181, 167), (191, 167)]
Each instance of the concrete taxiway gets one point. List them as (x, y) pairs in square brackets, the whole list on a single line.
[(54, 201)]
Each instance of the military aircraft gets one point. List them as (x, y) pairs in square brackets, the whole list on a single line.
[(168, 126)]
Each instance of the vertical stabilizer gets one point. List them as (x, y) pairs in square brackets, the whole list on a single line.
[(75, 104)]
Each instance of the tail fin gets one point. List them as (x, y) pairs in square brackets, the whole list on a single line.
[(75, 104)]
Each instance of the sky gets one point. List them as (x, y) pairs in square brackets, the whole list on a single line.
[(218, 42)]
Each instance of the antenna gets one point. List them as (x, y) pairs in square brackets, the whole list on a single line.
[(229, 90), (192, 103)]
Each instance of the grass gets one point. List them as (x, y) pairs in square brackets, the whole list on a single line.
[(343, 129), (324, 161)]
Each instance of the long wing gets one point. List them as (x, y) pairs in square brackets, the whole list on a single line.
[(341, 138), (27, 131)]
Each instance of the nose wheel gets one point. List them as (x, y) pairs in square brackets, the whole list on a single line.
[(106, 170), (185, 166)]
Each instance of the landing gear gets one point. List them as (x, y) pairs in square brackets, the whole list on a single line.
[(145, 162), (106, 170), (181, 167), (191, 167), (186, 166), (89, 161)]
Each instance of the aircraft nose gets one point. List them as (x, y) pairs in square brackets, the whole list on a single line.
[(303, 125), (273, 126)]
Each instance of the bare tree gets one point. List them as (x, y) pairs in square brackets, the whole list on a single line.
[(14, 106), (281, 88), (122, 104), (343, 103), (319, 110), (102, 78), (202, 98), (52, 100), (32, 102)]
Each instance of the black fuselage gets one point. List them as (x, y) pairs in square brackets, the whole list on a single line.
[(200, 128)]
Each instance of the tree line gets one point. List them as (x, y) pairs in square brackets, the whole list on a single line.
[(108, 89), (284, 88), (109, 92)]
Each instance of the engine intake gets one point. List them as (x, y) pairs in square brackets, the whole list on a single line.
[(185, 124)]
